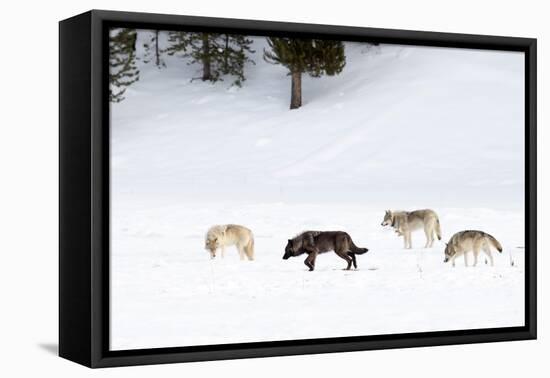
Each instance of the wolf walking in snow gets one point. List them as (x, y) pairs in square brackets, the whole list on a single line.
[(316, 242), (221, 236), (404, 222), (471, 240)]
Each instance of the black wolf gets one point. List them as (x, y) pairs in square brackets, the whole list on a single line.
[(315, 242)]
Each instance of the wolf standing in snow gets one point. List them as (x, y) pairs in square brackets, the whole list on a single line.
[(404, 222), (221, 236), (471, 240), (315, 242)]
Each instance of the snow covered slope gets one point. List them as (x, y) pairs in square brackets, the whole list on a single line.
[(400, 127), (443, 124)]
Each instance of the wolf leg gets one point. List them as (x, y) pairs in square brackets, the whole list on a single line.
[(241, 251), (409, 239), (476, 253), (428, 233), (433, 235), (487, 251), (345, 256), (465, 259), (310, 261), (353, 259), (222, 251), (249, 250)]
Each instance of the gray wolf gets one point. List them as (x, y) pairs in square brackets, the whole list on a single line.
[(404, 222), (221, 236), (470, 240), (315, 242)]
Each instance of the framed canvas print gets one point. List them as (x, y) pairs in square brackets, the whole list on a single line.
[(233, 188)]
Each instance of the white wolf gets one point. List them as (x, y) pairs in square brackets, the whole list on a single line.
[(471, 240), (220, 236), (404, 222)]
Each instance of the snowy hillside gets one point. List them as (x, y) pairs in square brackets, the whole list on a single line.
[(444, 123), (399, 128)]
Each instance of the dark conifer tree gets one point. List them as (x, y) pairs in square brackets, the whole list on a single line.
[(153, 51), (122, 62), (312, 56), (200, 47), (236, 52), (178, 42), (217, 54)]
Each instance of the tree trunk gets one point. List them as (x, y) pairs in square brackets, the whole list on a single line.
[(225, 54), (296, 90), (133, 41), (206, 73), (157, 54)]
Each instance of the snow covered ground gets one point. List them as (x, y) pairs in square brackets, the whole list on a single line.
[(399, 128)]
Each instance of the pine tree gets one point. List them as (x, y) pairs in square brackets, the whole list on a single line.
[(205, 50), (197, 46), (236, 51), (217, 54), (315, 57), (122, 62), (153, 51), (178, 41)]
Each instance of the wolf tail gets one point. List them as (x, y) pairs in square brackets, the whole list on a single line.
[(355, 249), (249, 249), (494, 242), (437, 229)]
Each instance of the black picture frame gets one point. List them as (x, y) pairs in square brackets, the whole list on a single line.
[(84, 190)]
